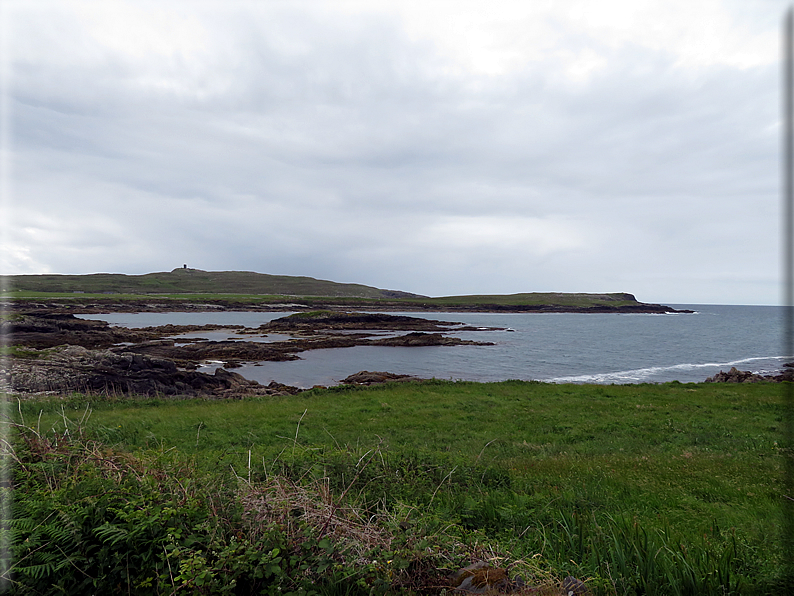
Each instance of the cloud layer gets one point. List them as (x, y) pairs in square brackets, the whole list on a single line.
[(439, 148)]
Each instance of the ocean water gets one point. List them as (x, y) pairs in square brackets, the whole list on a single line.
[(578, 348)]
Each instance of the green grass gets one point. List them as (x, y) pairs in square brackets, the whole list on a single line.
[(485, 302), (251, 288), (149, 297), (21, 352), (623, 485), (190, 281), (577, 300)]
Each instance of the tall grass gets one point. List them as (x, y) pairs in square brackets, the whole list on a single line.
[(671, 489)]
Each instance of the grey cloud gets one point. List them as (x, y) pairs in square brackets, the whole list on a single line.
[(319, 145)]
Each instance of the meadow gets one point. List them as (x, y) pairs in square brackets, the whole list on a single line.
[(635, 489), (246, 287)]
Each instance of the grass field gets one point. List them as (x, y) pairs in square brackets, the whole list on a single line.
[(245, 287), (576, 300), (242, 300), (645, 489), (190, 281)]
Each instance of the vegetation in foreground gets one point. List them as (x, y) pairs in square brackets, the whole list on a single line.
[(647, 489)]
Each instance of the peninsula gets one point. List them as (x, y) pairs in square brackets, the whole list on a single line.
[(53, 350), (195, 289)]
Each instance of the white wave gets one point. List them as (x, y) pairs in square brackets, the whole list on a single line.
[(642, 374)]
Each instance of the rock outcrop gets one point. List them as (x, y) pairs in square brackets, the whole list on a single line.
[(44, 329), (327, 320), (77, 369), (743, 376), (366, 377), (426, 339), (58, 352)]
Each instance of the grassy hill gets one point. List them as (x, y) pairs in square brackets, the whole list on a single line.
[(190, 281), (575, 300), (246, 287)]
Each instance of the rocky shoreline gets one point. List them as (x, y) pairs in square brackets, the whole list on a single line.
[(77, 305), (735, 375), (54, 352), (58, 353)]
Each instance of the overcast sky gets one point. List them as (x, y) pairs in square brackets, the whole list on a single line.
[(429, 146)]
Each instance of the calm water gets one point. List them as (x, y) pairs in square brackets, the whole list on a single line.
[(582, 348)]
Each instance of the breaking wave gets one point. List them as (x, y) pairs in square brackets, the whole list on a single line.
[(641, 375)]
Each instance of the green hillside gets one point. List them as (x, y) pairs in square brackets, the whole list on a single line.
[(190, 281), (575, 300), (238, 288)]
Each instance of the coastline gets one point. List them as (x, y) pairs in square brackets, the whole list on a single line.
[(104, 305), (559, 349), (60, 353)]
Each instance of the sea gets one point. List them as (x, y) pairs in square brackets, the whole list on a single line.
[(556, 348)]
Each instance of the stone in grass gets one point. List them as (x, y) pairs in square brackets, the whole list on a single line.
[(480, 578), (366, 377), (574, 587)]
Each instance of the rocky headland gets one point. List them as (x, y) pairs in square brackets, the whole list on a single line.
[(382, 301), (56, 352)]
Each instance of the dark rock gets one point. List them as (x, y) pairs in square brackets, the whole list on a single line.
[(275, 388), (325, 320), (743, 376), (92, 356), (225, 351), (49, 329), (326, 329), (426, 339), (45, 330), (314, 322), (366, 377), (75, 368), (735, 376), (482, 578), (232, 379), (479, 578), (574, 587)]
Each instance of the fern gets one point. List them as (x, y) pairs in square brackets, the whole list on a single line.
[(58, 534), (22, 524), (38, 571), (111, 534)]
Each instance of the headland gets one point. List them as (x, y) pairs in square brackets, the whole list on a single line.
[(196, 290)]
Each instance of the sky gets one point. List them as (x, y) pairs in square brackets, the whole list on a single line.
[(436, 147)]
